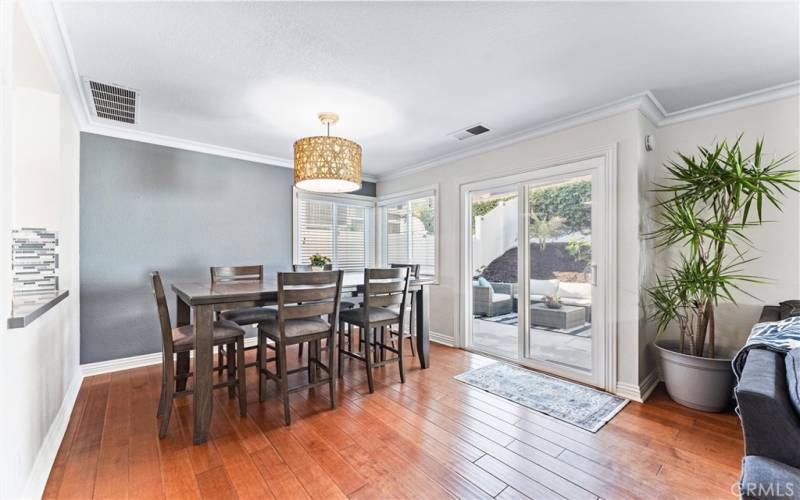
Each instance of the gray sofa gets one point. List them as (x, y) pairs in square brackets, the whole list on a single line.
[(770, 422), (492, 300)]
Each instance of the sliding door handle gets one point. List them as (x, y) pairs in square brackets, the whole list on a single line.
[(594, 274)]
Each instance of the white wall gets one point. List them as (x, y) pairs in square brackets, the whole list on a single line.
[(777, 243), (625, 130), (39, 176)]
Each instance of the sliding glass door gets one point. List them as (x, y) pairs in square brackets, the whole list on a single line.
[(532, 252), (494, 241)]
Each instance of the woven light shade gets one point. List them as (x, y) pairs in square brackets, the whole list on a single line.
[(327, 164)]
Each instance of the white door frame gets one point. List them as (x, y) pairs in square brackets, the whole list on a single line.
[(605, 355)]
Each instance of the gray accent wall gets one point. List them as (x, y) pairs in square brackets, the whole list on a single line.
[(145, 208)]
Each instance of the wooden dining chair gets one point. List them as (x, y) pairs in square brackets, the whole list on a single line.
[(383, 288), (246, 315), (304, 299), (181, 339), (411, 335), (307, 268)]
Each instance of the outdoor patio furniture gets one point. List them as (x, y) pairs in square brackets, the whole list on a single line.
[(563, 318), (492, 300), (569, 293)]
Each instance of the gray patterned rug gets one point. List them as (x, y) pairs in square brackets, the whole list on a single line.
[(576, 404)]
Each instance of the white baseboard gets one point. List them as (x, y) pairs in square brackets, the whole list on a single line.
[(115, 365), (40, 472), (639, 392), (441, 338)]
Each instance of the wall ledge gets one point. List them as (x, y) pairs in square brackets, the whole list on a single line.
[(25, 309)]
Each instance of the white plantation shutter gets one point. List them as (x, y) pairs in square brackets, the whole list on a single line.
[(409, 232), (350, 237), (315, 229), (337, 229)]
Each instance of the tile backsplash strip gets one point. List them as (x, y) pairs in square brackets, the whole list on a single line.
[(34, 260)]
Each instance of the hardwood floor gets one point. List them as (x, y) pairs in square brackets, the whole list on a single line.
[(432, 437)]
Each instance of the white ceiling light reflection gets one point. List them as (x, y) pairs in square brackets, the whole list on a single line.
[(292, 107)]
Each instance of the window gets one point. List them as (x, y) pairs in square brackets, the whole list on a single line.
[(408, 231), (335, 226)]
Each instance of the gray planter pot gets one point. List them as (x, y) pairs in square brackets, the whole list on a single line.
[(701, 383)]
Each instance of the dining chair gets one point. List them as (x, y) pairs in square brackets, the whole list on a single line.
[(181, 339), (411, 335), (246, 315), (304, 299), (383, 288), (344, 303)]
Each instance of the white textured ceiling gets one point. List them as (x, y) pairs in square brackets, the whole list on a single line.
[(252, 76)]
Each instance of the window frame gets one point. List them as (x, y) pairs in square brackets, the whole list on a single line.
[(366, 202), (381, 248)]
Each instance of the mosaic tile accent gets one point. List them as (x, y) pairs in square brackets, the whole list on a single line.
[(34, 260)]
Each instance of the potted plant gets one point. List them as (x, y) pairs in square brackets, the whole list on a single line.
[(319, 261), (705, 209)]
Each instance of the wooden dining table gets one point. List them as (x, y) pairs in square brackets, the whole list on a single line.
[(206, 298)]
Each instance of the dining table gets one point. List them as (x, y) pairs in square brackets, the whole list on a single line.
[(202, 299)]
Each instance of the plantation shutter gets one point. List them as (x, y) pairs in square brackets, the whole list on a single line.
[(333, 229), (315, 229), (410, 233)]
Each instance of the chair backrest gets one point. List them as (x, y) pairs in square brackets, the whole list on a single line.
[(386, 287), (309, 295), (237, 273), (307, 268), (163, 313), (413, 267)]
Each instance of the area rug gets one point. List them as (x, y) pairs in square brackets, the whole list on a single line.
[(575, 404), (512, 319)]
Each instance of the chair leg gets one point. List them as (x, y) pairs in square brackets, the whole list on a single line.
[(331, 370), (284, 383), (164, 383), (262, 366), (220, 360), (368, 358), (300, 350), (412, 328), (400, 357), (312, 354), (168, 394), (230, 351), (341, 350), (241, 377)]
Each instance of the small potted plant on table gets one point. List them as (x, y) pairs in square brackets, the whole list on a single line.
[(319, 261), (709, 203)]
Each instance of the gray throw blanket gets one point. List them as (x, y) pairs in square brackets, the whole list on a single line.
[(778, 336)]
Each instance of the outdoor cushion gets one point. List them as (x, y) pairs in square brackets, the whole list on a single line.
[(484, 283), (541, 288), (500, 297), (575, 291), (793, 377)]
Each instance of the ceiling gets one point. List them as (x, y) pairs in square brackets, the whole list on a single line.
[(253, 76)]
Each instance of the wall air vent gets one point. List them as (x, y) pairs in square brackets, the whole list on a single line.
[(113, 102), (470, 131)]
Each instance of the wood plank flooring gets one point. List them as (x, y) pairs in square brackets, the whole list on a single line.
[(432, 437)]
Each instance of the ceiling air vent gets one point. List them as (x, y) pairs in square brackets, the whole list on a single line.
[(113, 102), (470, 131)]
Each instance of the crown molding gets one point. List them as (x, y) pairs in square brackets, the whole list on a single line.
[(645, 102), (46, 23)]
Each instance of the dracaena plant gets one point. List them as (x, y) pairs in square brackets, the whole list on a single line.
[(704, 208)]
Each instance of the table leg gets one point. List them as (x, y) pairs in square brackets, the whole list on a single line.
[(203, 366), (183, 315), (422, 304)]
